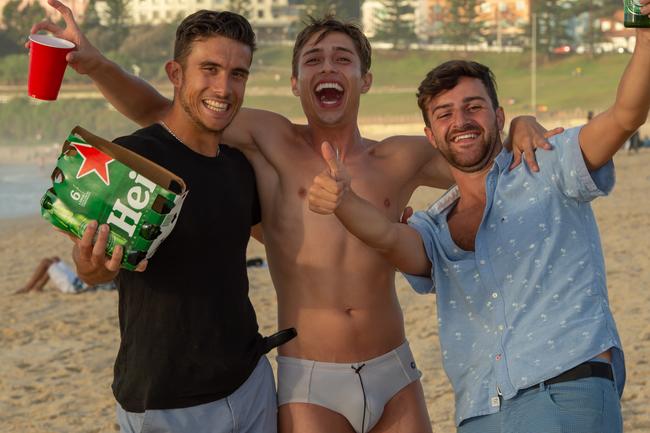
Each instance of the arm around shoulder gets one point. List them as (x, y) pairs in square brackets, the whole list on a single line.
[(254, 128)]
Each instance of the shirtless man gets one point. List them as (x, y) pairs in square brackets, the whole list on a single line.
[(337, 375)]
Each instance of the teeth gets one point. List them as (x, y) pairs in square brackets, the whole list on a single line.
[(335, 86), (215, 105), (465, 136)]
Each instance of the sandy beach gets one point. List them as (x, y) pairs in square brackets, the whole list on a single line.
[(57, 350)]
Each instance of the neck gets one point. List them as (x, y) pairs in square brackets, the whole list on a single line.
[(471, 186), (345, 139), (190, 134)]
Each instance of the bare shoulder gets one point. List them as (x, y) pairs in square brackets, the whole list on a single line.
[(262, 118), (405, 145)]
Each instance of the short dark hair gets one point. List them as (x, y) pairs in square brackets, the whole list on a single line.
[(445, 77), (325, 26), (204, 24)]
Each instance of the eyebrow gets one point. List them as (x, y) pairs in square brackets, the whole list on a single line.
[(465, 101), (317, 50), (210, 63)]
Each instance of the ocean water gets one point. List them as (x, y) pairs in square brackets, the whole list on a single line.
[(21, 189)]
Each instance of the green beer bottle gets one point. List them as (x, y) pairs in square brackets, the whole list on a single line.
[(633, 15), (149, 231)]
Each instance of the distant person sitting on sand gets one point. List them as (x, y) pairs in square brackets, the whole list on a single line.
[(635, 143), (63, 277)]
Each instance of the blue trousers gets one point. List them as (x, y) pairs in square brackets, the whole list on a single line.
[(589, 405), (252, 408)]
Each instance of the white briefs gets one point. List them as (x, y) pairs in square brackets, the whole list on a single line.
[(358, 391)]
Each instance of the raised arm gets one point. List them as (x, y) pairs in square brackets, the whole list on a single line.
[(604, 135), (130, 95), (399, 243)]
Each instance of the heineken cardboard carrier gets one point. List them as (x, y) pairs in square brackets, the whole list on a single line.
[(95, 179)]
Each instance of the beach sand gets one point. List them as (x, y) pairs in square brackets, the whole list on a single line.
[(57, 350)]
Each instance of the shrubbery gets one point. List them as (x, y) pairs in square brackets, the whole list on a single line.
[(45, 122)]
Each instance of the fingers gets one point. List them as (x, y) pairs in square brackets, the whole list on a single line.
[(326, 182), (516, 159), (46, 25), (531, 161), (99, 248), (85, 245), (330, 158), (408, 213), (113, 264), (319, 193), (322, 201), (555, 131), (320, 209), (142, 266), (325, 194), (65, 12)]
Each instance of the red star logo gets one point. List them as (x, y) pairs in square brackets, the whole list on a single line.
[(94, 160)]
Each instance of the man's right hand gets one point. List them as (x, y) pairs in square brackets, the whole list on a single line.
[(329, 187), (85, 58), (93, 265)]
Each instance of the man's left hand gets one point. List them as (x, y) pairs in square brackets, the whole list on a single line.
[(526, 135)]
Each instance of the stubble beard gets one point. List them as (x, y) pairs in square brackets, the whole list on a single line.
[(193, 116), (489, 147)]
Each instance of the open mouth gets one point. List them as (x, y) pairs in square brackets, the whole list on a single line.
[(329, 93), (466, 136), (216, 106)]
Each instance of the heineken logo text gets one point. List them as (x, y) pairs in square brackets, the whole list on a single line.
[(125, 215)]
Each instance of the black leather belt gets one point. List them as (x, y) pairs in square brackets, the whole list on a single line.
[(582, 371), (278, 339)]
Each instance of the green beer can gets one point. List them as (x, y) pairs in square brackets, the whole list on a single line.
[(95, 179), (633, 15)]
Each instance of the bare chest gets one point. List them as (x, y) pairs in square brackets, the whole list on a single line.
[(285, 201), (464, 225)]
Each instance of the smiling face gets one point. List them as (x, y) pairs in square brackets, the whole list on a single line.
[(329, 81), (210, 83), (464, 126)]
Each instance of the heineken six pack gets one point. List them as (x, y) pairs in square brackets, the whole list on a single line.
[(95, 179)]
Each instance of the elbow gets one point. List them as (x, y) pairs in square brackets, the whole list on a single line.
[(630, 120)]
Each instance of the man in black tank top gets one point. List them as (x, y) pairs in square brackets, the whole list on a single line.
[(191, 358)]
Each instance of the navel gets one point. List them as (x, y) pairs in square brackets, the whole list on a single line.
[(302, 192)]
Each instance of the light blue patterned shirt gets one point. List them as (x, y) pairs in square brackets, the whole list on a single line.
[(531, 301)]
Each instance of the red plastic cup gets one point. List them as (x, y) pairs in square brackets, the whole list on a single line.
[(46, 66)]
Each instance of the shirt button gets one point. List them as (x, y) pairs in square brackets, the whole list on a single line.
[(495, 295), (498, 357)]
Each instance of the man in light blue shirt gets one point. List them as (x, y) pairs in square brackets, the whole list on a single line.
[(528, 339)]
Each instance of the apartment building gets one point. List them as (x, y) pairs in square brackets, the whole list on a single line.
[(78, 7), (503, 20)]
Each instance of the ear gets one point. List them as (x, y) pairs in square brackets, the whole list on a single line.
[(294, 86), (501, 118), (174, 73), (429, 133), (367, 82)]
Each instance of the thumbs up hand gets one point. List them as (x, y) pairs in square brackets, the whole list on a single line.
[(330, 186)]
